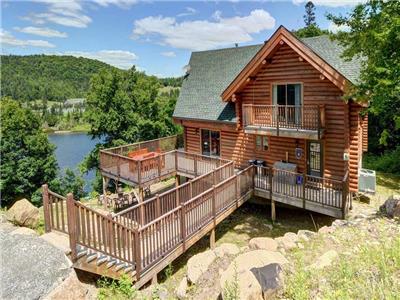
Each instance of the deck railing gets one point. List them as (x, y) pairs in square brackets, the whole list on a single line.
[(54, 210), (325, 191), (149, 210), (307, 117)]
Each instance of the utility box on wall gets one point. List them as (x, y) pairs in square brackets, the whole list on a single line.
[(367, 181)]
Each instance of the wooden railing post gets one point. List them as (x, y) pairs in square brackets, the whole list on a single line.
[(191, 188), (119, 166), (237, 190), (138, 258), (139, 167), (46, 207), (195, 165), (213, 205), (183, 226), (304, 189), (270, 173), (72, 222), (159, 165), (176, 161), (141, 214), (158, 206), (277, 119)]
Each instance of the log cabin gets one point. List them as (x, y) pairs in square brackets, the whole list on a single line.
[(280, 103)]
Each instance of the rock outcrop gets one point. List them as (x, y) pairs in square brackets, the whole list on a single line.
[(391, 207), (181, 289), (23, 213), (263, 243), (198, 264), (256, 274), (226, 249)]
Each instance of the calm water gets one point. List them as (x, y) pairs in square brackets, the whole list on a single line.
[(71, 150)]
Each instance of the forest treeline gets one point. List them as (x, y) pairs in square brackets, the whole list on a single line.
[(47, 77)]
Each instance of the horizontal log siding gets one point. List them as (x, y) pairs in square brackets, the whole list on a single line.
[(286, 67), (355, 151), (192, 140), (365, 133)]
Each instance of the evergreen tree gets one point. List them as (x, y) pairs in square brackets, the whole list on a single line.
[(309, 17)]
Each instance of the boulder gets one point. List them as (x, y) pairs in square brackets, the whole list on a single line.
[(226, 249), (391, 207), (305, 235), (198, 264), (326, 229), (288, 241), (181, 289), (72, 288), (58, 240), (23, 213), (23, 230), (324, 260), (263, 243), (256, 275)]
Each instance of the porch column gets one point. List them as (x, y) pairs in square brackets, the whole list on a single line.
[(273, 213)]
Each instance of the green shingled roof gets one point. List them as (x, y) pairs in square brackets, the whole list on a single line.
[(212, 71)]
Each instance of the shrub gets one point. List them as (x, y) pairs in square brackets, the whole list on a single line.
[(116, 289), (389, 162)]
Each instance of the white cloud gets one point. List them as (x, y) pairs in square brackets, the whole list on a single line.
[(335, 28), (120, 3), (168, 54), (67, 13), (203, 34), (331, 3), (118, 58), (8, 40), (188, 12), (41, 31)]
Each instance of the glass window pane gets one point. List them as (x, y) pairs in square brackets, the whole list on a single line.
[(265, 143), (291, 94), (205, 141), (258, 142), (281, 94), (215, 143)]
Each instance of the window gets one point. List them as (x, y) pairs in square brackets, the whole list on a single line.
[(210, 142), (287, 94), (262, 143), (288, 97)]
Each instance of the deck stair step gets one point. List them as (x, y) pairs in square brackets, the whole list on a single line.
[(120, 266), (102, 259), (111, 263), (81, 253), (128, 268), (91, 257)]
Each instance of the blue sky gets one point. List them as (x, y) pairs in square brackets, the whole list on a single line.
[(156, 36)]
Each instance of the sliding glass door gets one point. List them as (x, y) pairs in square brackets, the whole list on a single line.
[(210, 142), (289, 99)]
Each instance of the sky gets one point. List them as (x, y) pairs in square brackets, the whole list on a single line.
[(155, 36)]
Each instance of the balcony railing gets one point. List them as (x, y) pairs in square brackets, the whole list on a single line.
[(296, 117)]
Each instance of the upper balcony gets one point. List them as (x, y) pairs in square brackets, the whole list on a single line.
[(285, 120)]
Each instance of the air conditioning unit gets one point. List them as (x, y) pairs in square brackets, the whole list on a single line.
[(367, 181)]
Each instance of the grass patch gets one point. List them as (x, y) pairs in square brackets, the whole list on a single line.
[(372, 272), (116, 289)]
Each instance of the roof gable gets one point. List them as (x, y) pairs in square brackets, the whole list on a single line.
[(280, 37)]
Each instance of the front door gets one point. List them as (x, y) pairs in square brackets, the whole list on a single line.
[(314, 159)]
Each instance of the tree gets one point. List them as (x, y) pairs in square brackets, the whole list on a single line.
[(374, 35), (311, 29), (28, 159), (125, 107), (309, 17)]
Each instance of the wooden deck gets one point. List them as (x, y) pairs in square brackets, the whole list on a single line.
[(143, 239)]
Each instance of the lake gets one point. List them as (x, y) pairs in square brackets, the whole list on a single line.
[(71, 150)]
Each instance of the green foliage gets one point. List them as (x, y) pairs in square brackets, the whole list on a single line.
[(126, 107), (49, 77), (172, 81), (311, 29), (231, 289), (116, 289), (374, 34), (69, 182), (28, 159), (387, 162), (169, 270)]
